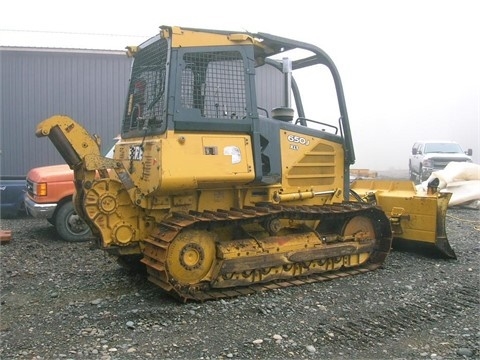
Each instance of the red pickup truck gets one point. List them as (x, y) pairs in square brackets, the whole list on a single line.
[(49, 196)]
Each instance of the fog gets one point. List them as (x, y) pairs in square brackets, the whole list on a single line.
[(410, 69)]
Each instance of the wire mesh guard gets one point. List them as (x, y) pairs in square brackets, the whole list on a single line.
[(214, 83), (146, 99)]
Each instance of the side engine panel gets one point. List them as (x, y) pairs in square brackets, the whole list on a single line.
[(182, 162)]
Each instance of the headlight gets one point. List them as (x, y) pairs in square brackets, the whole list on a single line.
[(428, 163)]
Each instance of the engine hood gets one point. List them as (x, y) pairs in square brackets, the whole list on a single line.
[(51, 173), (452, 157)]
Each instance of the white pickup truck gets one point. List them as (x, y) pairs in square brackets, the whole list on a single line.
[(430, 156)]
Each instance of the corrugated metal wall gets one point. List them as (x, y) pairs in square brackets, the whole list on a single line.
[(88, 85)]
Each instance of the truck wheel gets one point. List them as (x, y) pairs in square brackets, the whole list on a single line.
[(70, 226), (421, 176), (413, 177)]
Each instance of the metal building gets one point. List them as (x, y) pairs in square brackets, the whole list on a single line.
[(35, 83)]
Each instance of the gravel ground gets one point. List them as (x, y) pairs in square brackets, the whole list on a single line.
[(70, 301)]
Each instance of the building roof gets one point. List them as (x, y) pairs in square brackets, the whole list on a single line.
[(62, 50)]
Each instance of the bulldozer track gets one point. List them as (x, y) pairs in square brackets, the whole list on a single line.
[(367, 331), (156, 246)]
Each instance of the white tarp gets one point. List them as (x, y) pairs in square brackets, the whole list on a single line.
[(462, 179)]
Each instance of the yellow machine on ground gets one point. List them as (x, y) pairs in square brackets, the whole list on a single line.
[(223, 184)]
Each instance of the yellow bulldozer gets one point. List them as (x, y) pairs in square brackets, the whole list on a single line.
[(226, 181)]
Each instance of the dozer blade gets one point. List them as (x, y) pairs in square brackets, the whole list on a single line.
[(418, 221)]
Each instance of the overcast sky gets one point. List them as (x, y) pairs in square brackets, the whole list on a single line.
[(410, 69)]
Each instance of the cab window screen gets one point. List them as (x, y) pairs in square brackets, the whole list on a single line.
[(146, 96), (214, 83)]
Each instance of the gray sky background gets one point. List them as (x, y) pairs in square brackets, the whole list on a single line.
[(410, 69)]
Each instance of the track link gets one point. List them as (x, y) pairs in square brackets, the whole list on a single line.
[(157, 245)]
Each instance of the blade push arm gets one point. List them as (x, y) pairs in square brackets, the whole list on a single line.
[(71, 140)]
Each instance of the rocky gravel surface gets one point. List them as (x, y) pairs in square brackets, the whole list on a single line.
[(70, 301)]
